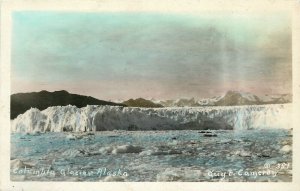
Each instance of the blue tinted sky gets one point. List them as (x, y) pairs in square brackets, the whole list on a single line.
[(164, 56)]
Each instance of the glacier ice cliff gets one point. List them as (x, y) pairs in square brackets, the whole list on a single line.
[(101, 118)]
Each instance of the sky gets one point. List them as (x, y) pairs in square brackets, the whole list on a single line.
[(122, 55)]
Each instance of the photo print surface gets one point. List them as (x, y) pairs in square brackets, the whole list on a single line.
[(147, 96)]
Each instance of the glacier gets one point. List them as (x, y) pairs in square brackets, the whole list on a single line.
[(107, 118)]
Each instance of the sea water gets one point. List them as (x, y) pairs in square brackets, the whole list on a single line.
[(187, 155)]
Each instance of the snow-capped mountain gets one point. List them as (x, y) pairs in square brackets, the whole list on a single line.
[(140, 102), (276, 98), (231, 98), (209, 101), (238, 98), (100, 118), (186, 102), (183, 102)]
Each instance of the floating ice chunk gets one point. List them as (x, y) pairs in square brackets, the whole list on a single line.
[(16, 164), (286, 149), (176, 174), (70, 137), (172, 143), (169, 175), (146, 153), (243, 153), (127, 149), (105, 150), (158, 152), (113, 179), (271, 162), (71, 153), (174, 152), (77, 136)]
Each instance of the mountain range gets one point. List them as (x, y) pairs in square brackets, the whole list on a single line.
[(140, 102), (231, 98), (21, 102)]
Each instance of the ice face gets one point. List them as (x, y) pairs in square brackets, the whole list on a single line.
[(101, 118)]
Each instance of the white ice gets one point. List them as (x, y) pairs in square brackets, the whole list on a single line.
[(99, 118)]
